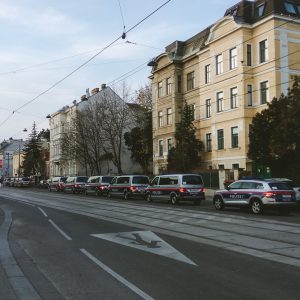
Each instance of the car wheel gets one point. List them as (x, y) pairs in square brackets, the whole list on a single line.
[(174, 199), (256, 207), (218, 203), (148, 197)]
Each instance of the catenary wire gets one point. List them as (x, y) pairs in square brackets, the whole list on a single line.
[(83, 64)]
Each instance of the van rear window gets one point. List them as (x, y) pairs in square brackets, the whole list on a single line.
[(192, 179), (140, 180)]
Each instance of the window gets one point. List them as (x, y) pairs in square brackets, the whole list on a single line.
[(263, 51), (249, 95), (207, 74), (179, 83), (232, 58), (219, 101), (160, 147), (249, 55), (234, 137), (236, 167), (221, 167), (160, 119), (220, 135), (233, 98), (290, 8), (264, 92), (160, 89), (219, 64), (169, 116), (208, 142), (169, 86), (170, 144), (260, 10), (208, 108), (190, 80), (193, 109)]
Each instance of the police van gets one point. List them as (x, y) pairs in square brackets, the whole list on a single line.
[(176, 188)]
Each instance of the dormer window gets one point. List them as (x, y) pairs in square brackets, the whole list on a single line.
[(260, 10)]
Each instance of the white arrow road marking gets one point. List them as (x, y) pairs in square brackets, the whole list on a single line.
[(146, 241)]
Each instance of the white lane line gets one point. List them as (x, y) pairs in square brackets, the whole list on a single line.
[(43, 212), (60, 231), (117, 276)]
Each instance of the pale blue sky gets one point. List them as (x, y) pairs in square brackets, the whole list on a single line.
[(43, 41)]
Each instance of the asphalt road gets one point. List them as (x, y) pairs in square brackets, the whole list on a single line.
[(77, 247)]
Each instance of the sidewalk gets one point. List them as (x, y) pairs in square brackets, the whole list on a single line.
[(13, 284)]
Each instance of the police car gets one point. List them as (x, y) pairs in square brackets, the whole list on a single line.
[(258, 195)]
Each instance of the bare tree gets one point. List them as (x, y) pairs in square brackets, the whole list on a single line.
[(96, 134)]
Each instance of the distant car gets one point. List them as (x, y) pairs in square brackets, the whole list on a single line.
[(7, 181), (75, 184), (23, 182), (258, 195), (98, 185), (56, 183), (13, 181), (128, 186), (176, 188)]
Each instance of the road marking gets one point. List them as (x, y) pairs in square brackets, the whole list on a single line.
[(43, 212), (60, 231), (116, 275), (145, 241)]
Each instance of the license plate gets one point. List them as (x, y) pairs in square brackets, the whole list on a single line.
[(193, 191)]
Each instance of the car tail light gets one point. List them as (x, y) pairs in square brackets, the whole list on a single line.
[(182, 190), (77, 185), (201, 190), (269, 195), (133, 188)]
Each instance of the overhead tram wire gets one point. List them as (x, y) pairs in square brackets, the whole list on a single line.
[(85, 63)]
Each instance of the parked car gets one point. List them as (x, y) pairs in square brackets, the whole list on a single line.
[(7, 181), (75, 184), (13, 181), (257, 195), (98, 185), (176, 187), (22, 182), (128, 186), (56, 183)]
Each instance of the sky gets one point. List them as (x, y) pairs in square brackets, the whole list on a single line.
[(43, 42)]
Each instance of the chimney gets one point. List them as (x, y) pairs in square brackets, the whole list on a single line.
[(103, 86), (83, 98), (95, 91), (87, 92)]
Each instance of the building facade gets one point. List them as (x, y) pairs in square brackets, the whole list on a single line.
[(61, 122), (227, 73)]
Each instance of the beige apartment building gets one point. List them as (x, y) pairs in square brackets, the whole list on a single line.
[(228, 72)]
